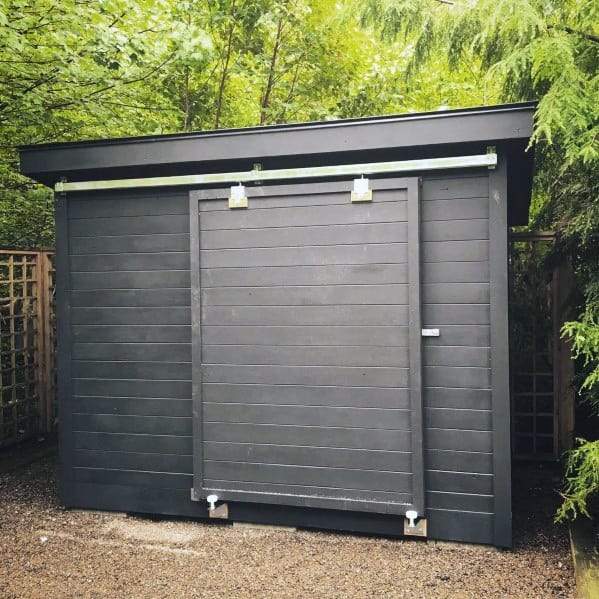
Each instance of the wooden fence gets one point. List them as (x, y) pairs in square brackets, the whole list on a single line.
[(27, 335)]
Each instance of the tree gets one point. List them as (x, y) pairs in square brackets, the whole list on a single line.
[(546, 51)]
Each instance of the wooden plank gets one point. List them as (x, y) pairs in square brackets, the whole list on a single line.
[(304, 355), (354, 438), (130, 261), (118, 244), (467, 527), (145, 203), (131, 316), (307, 295), (344, 376), (393, 461), (457, 186), (468, 335), (160, 443), (309, 476), (379, 253), (132, 388), (133, 425), (331, 336), (441, 314), (137, 352), (130, 298), (459, 440), (461, 419), (455, 230), (131, 334), (132, 406), (474, 399), (341, 416), (164, 480), (455, 209), (457, 356), (377, 397), (459, 461), (154, 371), (459, 482), (462, 377), (130, 225), (456, 272), (301, 236), (311, 496), (306, 216), (130, 280), (119, 460), (459, 502), (455, 293), (305, 315), (455, 251)]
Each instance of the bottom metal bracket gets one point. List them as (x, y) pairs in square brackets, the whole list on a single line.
[(418, 530), (221, 511)]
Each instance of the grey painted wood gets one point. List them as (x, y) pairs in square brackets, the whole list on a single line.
[(298, 236), (163, 242), (458, 272), (110, 423), (130, 261), (343, 214), (361, 397), (137, 352), (131, 279), (299, 355), (164, 480), (470, 527), (347, 315), (312, 376), (348, 438), (472, 399), (456, 314), (258, 295), (456, 209), (130, 225), (415, 344), (338, 416), (131, 406), (462, 377), (459, 502), (141, 203), (132, 388), (330, 457), (380, 253), (131, 315), (395, 336), (461, 419), (459, 356), (119, 460), (63, 352), (455, 293), (457, 186), (131, 298), (455, 251), (459, 440), (157, 443), (459, 482), (308, 295), (502, 525), (436, 459), (153, 371), (456, 230), (154, 333)]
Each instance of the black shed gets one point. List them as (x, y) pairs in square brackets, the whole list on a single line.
[(308, 322)]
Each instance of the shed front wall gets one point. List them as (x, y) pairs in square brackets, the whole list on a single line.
[(125, 362)]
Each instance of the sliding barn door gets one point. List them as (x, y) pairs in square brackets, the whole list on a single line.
[(306, 347)]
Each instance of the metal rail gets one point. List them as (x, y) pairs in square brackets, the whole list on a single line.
[(369, 168)]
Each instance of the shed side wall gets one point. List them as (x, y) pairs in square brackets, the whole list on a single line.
[(129, 443)]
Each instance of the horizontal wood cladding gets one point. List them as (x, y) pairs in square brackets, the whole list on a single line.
[(304, 347)]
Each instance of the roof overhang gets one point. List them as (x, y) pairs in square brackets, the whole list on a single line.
[(398, 137)]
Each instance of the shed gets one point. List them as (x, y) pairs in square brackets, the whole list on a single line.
[(308, 322)]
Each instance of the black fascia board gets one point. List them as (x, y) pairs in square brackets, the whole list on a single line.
[(214, 151)]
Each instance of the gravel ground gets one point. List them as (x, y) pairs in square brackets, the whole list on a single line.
[(46, 551)]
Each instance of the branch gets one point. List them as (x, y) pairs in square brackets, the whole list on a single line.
[(588, 36)]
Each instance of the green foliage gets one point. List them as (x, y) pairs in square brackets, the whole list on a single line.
[(582, 480)]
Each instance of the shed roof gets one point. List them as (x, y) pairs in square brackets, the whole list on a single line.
[(393, 137)]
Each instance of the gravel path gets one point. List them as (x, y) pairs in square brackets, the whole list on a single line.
[(46, 551)]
